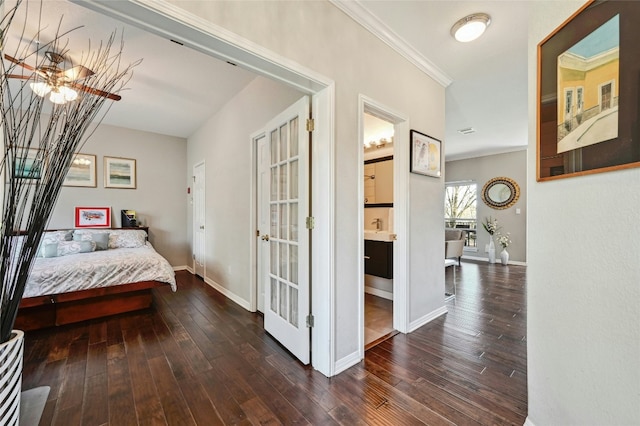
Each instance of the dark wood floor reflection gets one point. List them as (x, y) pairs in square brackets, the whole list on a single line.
[(197, 358), (378, 320)]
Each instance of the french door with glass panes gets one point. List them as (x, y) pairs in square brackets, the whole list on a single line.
[(284, 251)]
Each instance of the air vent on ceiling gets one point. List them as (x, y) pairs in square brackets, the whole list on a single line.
[(467, 131)]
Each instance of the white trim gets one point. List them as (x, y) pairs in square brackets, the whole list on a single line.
[(528, 422), (486, 259), (427, 318), (377, 292), (347, 362), (182, 268), (356, 11), (229, 294), (253, 220)]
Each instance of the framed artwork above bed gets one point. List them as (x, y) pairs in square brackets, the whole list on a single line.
[(93, 217)]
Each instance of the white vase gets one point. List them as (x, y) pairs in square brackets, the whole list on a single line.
[(504, 256), (492, 251), (11, 353)]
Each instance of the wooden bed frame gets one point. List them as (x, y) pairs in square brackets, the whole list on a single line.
[(66, 308)]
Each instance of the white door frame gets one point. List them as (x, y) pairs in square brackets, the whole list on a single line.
[(172, 22), (193, 215), (401, 213)]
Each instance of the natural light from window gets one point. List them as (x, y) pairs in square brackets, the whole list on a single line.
[(460, 210)]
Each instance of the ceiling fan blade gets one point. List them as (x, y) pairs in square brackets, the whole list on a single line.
[(93, 91), (19, 62), (78, 72)]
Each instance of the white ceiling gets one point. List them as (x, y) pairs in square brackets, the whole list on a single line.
[(175, 89)]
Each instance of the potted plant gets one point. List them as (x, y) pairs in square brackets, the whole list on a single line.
[(491, 226), (40, 136), (504, 240)]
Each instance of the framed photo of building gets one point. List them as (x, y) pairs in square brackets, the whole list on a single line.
[(82, 171), (587, 93), (119, 173), (93, 217), (426, 154)]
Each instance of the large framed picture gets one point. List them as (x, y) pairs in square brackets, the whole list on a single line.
[(30, 165), (119, 173), (93, 217), (588, 109), (426, 154), (82, 171)]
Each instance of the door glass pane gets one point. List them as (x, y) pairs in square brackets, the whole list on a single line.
[(284, 179), (293, 263), (274, 183), (293, 190), (274, 147), (283, 260), (273, 252), (293, 219), (283, 300), (293, 307), (273, 218), (284, 234), (274, 295), (284, 151), (293, 125)]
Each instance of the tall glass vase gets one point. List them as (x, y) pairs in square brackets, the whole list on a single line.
[(492, 251)]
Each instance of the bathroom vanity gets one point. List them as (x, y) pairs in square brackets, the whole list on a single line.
[(378, 258)]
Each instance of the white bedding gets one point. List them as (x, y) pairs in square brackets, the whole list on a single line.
[(98, 269)]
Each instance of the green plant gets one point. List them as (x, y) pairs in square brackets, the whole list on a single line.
[(49, 139)]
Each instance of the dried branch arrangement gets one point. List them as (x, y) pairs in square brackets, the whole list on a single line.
[(40, 139)]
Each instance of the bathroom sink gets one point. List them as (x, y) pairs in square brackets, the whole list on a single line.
[(372, 234)]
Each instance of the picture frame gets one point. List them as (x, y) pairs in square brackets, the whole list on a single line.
[(93, 217), (587, 106), (27, 167), (119, 173), (426, 154), (82, 172)]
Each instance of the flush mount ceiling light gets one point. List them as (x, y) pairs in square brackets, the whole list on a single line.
[(470, 27)]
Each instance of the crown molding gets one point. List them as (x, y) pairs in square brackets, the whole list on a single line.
[(356, 11)]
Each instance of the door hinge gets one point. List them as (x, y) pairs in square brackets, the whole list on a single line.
[(310, 124), (311, 222), (310, 321), (194, 178), (257, 232)]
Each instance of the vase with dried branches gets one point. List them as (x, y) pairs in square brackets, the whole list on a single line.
[(39, 141)]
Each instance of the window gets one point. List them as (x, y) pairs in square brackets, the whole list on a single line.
[(460, 209)]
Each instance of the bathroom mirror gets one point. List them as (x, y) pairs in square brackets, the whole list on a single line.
[(500, 193), (378, 182)]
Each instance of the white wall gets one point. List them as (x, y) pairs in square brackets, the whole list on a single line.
[(160, 198), (481, 169), (322, 38), (224, 143), (583, 290)]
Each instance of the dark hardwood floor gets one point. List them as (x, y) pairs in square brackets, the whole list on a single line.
[(378, 320), (197, 358)]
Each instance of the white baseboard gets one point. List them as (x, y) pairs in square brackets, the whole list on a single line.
[(414, 325), (528, 422), (380, 293), (182, 268), (231, 295), (346, 362), (486, 259)]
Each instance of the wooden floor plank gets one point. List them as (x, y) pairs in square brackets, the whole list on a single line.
[(198, 358)]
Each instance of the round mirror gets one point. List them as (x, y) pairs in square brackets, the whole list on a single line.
[(500, 193)]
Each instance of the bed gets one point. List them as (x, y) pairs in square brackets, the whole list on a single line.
[(86, 274)]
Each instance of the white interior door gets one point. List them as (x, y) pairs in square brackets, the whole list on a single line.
[(199, 214), (284, 259), (263, 156)]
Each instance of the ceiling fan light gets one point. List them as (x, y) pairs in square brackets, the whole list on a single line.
[(470, 27), (57, 97), (41, 89), (69, 94)]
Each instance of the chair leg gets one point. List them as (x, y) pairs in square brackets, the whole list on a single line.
[(459, 257)]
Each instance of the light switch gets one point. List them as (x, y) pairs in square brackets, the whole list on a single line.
[(517, 211)]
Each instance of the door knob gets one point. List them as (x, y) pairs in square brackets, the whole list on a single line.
[(265, 237), (201, 226)]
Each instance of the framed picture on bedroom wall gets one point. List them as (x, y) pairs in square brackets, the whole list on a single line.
[(93, 217), (82, 171), (119, 173)]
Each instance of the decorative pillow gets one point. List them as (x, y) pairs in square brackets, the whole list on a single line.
[(130, 238), (65, 248), (53, 237), (101, 239)]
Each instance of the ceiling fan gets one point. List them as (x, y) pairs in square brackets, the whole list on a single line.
[(61, 85)]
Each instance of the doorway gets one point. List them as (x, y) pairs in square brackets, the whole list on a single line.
[(199, 217), (384, 165)]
